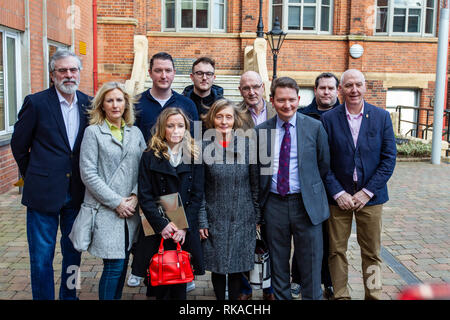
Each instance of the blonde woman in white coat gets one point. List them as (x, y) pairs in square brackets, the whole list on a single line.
[(109, 161)]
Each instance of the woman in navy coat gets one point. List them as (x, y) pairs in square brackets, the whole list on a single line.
[(167, 166)]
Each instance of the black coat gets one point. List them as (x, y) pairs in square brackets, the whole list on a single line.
[(157, 177)]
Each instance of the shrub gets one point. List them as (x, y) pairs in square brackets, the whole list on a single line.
[(414, 149)]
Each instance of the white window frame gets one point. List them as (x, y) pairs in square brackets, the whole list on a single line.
[(178, 28), (318, 5), (8, 33), (390, 20)]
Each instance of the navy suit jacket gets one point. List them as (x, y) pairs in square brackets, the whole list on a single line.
[(374, 155), (42, 152), (313, 164)]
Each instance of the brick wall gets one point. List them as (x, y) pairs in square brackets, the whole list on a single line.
[(12, 15), (8, 169)]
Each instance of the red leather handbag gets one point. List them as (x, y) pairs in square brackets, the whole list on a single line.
[(170, 266)]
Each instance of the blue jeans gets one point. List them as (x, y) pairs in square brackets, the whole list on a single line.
[(113, 278), (42, 228)]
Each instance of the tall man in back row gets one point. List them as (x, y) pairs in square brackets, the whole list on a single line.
[(46, 145), (363, 153)]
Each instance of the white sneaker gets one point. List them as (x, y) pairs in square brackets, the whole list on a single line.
[(190, 286), (134, 281)]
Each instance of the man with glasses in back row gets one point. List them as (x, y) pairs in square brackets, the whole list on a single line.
[(46, 146), (203, 92)]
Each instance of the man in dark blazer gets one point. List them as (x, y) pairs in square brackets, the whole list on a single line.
[(293, 159), (46, 146), (363, 153)]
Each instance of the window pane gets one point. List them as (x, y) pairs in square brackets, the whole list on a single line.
[(277, 12), (429, 21), (325, 2), (187, 14), (170, 14), (414, 20), (218, 17), (293, 1), (399, 20), (309, 18), (201, 20), (294, 18), (12, 80), (430, 3), (309, 1), (325, 19), (2, 87), (381, 20), (382, 3)]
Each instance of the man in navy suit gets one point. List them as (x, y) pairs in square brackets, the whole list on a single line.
[(363, 153), (293, 159), (46, 146)]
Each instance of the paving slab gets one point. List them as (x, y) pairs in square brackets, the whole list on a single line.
[(415, 235)]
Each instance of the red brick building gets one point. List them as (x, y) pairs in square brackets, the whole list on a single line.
[(399, 39)]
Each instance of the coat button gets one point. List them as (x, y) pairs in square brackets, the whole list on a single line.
[(190, 177), (163, 190), (68, 175), (188, 203), (162, 178)]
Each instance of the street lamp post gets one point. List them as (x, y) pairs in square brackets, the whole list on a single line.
[(260, 28), (276, 37)]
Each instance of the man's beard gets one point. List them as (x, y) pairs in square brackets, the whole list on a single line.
[(71, 89)]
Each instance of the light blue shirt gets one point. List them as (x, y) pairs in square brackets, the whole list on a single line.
[(71, 117), (294, 182)]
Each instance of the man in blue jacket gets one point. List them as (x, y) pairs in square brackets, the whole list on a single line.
[(46, 145), (362, 153), (161, 95)]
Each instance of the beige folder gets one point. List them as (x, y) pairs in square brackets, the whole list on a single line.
[(171, 207)]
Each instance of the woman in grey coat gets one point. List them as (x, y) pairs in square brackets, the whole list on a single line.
[(230, 213), (109, 161)]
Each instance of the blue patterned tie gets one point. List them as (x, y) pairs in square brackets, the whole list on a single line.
[(283, 164)]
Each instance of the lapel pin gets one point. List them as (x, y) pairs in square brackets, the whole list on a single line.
[(367, 115)]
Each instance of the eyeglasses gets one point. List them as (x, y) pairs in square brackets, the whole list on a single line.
[(64, 70), (248, 88), (200, 74)]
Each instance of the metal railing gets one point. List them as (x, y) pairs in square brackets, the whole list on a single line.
[(421, 129)]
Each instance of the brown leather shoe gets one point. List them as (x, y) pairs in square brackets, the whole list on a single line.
[(244, 296), (268, 296)]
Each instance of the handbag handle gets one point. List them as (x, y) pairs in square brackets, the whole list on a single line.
[(161, 247)]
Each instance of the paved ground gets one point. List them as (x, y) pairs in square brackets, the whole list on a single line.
[(415, 239)]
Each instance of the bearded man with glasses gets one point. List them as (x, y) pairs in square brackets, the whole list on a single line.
[(46, 146)]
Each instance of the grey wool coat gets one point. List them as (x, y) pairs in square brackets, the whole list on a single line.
[(109, 170), (230, 210)]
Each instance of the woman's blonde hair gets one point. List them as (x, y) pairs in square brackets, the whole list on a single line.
[(157, 142), (218, 106), (96, 113)]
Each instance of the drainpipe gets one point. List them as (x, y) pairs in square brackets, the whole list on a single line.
[(94, 21)]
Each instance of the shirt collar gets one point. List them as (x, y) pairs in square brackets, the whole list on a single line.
[(113, 126), (63, 100), (354, 116), (252, 109), (292, 121)]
